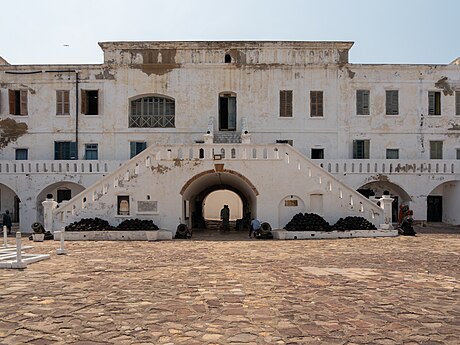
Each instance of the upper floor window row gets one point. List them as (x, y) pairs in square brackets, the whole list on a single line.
[(392, 102), (152, 112), (316, 103)]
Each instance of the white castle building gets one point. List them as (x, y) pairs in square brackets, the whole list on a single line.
[(288, 126)]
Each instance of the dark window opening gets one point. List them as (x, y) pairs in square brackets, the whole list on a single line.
[(65, 150), (63, 194), (317, 153), (22, 154), (227, 113), (17, 102), (361, 149), (392, 154), (90, 102), (435, 149), (137, 147), (434, 103), (228, 58)]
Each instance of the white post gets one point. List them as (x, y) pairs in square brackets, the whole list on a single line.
[(61, 251), (5, 237), (19, 263)]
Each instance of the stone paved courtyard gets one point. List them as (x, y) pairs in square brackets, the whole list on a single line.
[(356, 291)]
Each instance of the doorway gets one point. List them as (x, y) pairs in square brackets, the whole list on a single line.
[(434, 208), (227, 112)]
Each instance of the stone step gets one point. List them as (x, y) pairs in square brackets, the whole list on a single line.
[(227, 137)]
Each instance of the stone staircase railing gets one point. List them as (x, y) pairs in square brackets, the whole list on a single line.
[(293, 160)]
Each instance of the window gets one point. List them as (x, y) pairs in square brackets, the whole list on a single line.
[(228, 58), (434, 103), (435, 149), (152, 112), (457, 102), (137, 147), (90, 102), (65, 150), (285, 141), (392, 102), (392, 153), (62, 102), (63, 194), (458, 153), (317, 153), (361, 149), (316, 103), (91, 151), (286, 103), (362, 102), (22, 154), (18, 102)]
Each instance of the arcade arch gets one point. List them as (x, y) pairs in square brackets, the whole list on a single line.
[(61, 191), (376, 189), (9, 200), (442, 203), (198, 188)]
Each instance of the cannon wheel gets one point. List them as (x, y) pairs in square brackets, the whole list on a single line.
[(265, 228)]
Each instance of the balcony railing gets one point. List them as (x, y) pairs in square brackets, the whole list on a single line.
[(55, 166), (387, 166)]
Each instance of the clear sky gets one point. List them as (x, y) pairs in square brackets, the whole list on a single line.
[(385, 31)]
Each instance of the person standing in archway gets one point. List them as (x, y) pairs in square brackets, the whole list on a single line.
[(7, 221), (225, 216)]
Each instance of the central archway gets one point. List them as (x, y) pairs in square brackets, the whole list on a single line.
[(199, 187)]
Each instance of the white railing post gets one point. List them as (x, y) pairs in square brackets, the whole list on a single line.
[(5, 237), (61, 250), (19, 263)]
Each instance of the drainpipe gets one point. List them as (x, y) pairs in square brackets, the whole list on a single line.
[(76, 114)]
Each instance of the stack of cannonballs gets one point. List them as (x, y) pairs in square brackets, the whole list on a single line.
[(97, 224), (307, 222), (137, 224), (353, 223), (89, 224)]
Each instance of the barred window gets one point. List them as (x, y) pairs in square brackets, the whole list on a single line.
[(152, 112)]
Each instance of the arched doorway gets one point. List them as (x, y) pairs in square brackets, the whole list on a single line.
[(376, 189), (198, 189), (442, 203), (10, 201), (215, 201)]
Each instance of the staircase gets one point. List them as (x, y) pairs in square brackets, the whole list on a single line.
[(229, 137)]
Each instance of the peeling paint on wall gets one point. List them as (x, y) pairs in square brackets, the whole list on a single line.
[(445, 86), (105, 74), (10, 131)]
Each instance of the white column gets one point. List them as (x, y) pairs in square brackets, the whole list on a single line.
[(386, 203), (48, 206), (62, 251), (19, 263), (5, 237)]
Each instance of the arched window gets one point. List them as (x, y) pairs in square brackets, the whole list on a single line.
[(152, 112), (228, 58)]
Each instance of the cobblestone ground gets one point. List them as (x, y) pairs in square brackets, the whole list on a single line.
[(357, 291)]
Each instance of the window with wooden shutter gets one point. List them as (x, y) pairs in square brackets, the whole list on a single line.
[(62, 102), (23, 100), (392, 102), (434, 103), (11, 101), (457, 102), (90, 102), (436, 149), (362, 102), (17, 100), (316, 103), (286, 103)]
